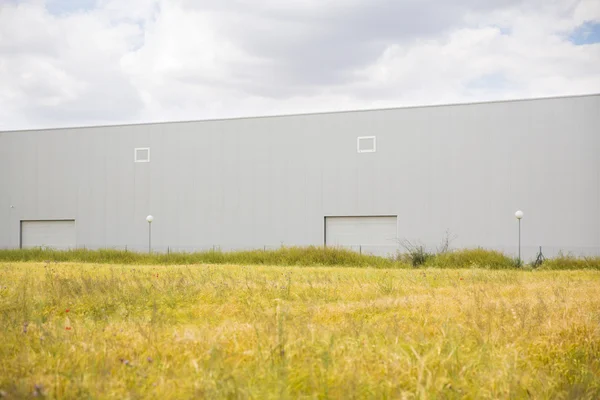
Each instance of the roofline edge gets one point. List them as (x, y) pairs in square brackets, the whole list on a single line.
[(308, 113)]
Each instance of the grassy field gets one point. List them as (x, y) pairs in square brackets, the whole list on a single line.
[(72, 330)]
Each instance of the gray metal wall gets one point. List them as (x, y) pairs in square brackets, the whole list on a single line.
[(247, 183)]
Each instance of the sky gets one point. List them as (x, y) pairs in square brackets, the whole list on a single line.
[(97, 62)]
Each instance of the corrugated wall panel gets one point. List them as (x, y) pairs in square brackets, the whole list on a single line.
[(254, 182)]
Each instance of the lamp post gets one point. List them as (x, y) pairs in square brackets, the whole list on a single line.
[(519, 215), (149, 218)]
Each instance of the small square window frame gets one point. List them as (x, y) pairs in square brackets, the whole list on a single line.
[(135, 153), (373, 150)]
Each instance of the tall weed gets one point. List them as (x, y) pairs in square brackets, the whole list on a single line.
[(285, 256), (472, 258), (571, 262)]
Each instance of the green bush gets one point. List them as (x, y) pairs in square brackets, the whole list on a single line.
[(472, 258), (571, 262), (414, 254)]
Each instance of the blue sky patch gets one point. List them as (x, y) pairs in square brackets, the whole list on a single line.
[(492, 82), (504, 30), (62, 7), (586, 33)]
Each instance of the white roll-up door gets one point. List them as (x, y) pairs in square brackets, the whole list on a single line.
[(58, 235), (375, 235)]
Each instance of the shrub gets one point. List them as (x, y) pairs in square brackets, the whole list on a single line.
[(415, 255)]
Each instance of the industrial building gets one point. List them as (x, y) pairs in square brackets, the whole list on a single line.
[(364, 179)]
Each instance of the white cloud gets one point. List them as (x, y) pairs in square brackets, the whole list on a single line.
[(470, 64), (152, 60), (63, 70)]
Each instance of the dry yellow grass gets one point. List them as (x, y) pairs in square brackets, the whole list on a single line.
[(282, 332)]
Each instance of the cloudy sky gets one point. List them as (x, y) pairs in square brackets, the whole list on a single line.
[(88, 62)]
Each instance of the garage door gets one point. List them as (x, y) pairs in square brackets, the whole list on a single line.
[(55, 234), (375, 235)]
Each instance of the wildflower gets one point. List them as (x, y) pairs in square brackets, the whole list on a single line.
[(38, 390), (67, 310), (461, 279), (68, 328)]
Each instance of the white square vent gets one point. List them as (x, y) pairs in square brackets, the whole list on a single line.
[(366, 144), (142, 154)]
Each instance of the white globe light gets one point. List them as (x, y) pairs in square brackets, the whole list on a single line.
[(149, 218), (519, 214)]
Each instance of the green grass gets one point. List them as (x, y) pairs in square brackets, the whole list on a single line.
[(73, 330), (295, 256), (472, 258), (570, 262), (284, 256)]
